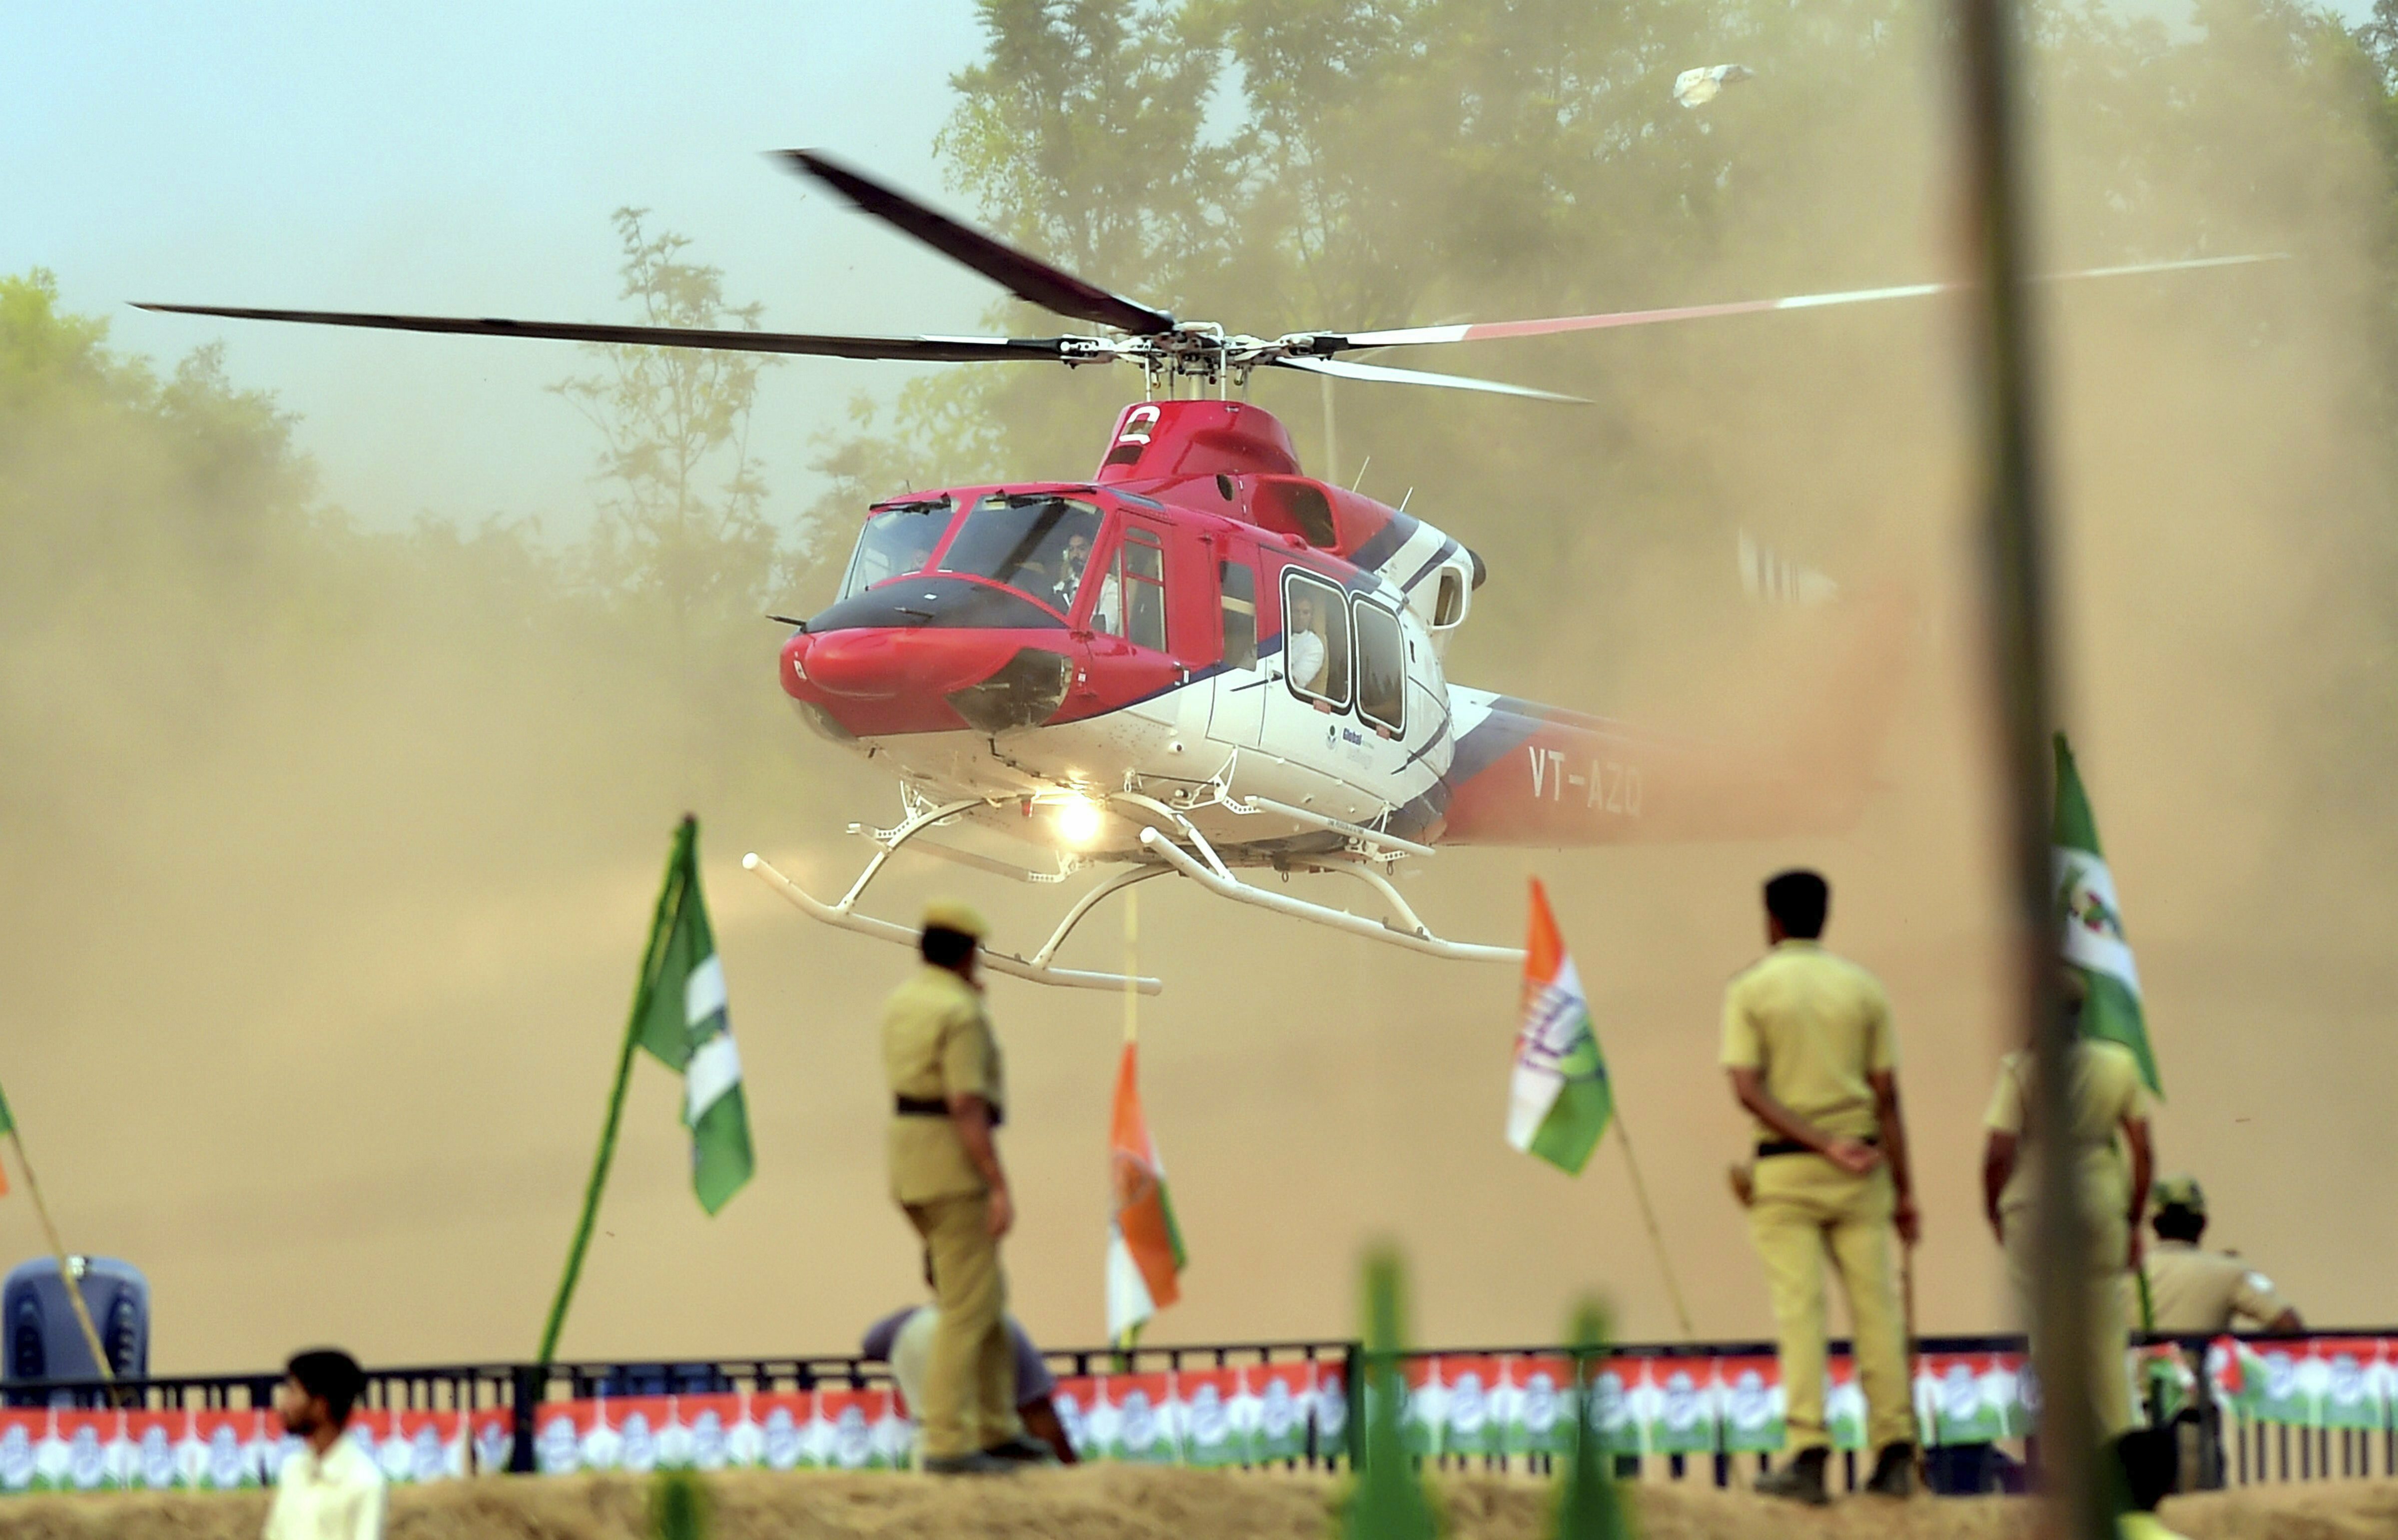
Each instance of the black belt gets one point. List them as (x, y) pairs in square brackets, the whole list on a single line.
[(932, 1107), (1792, 1146)]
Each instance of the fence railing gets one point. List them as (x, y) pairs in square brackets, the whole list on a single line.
[(2319, 1406)]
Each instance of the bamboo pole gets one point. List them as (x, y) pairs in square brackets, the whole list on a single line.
[(66, 1267)]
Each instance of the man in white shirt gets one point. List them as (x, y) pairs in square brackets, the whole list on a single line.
[(1303, 644), (329, 1488)]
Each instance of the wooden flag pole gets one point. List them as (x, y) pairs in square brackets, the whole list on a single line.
[(1656, 1237), (59, 1249), (1132, 966)]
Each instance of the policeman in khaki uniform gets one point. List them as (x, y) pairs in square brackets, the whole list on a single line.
[(2109, 1145), (948, 1096), (2195, 1292), (1807, 1039)]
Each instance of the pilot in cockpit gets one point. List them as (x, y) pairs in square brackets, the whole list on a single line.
[(1076, 556)]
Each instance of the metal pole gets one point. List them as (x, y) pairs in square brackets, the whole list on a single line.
[(1988, 44), (1331, 435)]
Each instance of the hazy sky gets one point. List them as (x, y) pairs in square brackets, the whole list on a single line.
[(458, 158), (465, 158)]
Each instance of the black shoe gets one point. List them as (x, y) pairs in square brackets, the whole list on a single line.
[(977, 1464), (1023, 1450), (1894, 1474), (1801, 1481)]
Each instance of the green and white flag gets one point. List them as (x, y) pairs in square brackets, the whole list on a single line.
[(679, 1015), (2093, 924), (1558, 1099)]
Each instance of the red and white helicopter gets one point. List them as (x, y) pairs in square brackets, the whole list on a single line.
[(1200, 661)]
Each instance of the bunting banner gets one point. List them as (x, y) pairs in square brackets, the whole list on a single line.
[(1468, 1406)]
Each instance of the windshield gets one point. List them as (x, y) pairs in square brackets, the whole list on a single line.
[(894, 542), (1037, 544)]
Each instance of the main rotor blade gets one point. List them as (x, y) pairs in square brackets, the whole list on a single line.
[(1025, 276), (925, 350), (1487, 331), (1342, 368)]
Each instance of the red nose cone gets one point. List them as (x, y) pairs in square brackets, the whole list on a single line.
[(862, 665)]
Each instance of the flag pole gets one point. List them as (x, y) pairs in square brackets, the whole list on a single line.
[(59, 1250), (1132, 965), (1130, 1335), (670, 899), (1656, 1237)]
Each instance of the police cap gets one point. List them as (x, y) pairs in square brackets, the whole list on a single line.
[(2180, 1192), (948, 913)]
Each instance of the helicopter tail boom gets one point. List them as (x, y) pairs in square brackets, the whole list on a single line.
[(1524, 774)]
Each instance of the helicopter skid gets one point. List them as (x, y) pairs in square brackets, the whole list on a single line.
[(1408, 931), (1035, 969), (1159, 857)]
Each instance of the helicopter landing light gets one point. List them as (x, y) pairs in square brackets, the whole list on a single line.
[(1079, 820)]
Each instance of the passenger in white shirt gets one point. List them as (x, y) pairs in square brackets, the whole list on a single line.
[(329, 1488), (1303, 644)]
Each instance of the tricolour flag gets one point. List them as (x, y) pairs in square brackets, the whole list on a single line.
[(2093, 924), (679, 1016), (1559, 1100), (1145, 1255)]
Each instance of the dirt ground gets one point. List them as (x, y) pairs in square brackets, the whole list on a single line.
[(1118, 1503)]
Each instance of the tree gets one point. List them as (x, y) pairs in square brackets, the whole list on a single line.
[(685, 513)]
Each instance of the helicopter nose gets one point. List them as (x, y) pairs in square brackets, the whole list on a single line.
[(876, 669), (859, 665)]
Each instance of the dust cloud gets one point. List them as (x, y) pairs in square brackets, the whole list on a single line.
[(325, 905)]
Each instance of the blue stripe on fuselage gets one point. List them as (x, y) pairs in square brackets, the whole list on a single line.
[(1386, 542)]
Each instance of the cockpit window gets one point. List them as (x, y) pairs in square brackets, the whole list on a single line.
[(896, 541), (1033, 543)]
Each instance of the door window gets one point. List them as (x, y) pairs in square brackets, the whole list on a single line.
[(1315, 638), (1382, 669), (1132, 595), (1240, 591)]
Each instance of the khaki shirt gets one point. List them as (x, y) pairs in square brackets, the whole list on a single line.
[(2107, 1092), (936, 1044), (2194, 1290), (1814, 1025), (338, 1497)]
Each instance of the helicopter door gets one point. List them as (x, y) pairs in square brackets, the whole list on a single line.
[(1314, 744), (1156, 596)]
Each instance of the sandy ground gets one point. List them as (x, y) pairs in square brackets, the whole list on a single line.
[(1114, 1502)]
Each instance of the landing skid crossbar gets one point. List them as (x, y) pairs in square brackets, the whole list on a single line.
[(1036, 970)]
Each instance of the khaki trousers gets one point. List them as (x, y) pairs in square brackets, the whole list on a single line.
[(2110, 1307), (1806, 1210), (970, 1379)]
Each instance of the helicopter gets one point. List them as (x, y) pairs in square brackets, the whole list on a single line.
[(1200, 661)]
